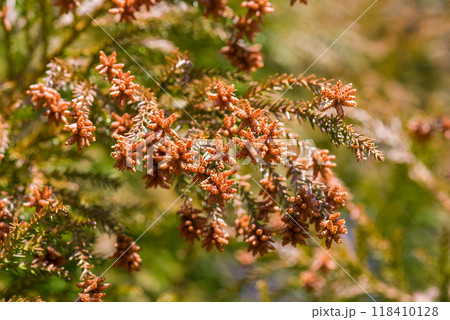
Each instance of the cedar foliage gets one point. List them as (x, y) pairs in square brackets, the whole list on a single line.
[(155, 122)]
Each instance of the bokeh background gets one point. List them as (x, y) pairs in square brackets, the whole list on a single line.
[(397, 55)]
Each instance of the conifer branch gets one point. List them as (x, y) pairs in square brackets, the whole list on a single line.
[(337, 130)]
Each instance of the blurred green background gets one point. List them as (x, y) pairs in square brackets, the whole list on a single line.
[(397, 56)]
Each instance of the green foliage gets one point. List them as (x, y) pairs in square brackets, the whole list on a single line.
[(397, 246)]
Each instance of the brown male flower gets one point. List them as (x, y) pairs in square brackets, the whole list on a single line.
[(338, 97), (257, 8), (242, 225), (124, 153), (266, 147), (122, 123), (273, 148), (162, 125), (247, 27), (155, 175), (216, 8), (332, 228), (43, 96), (178, 156), (219, 187), (126, 253), (295, 230), (251, 146), (271, 186), (39, 199), (191, 223), (124, 89), (224, 97), (80, 127), (229, 128), (159, 178), (335, 197), (47, 97), (220, 154), (322, 163), (50, 260), (126, 9), (249, 116), (201, 170), (244, 58), (304, 205), (108, 65), (259, 239), (56, 112), (92, 288), (265, 209), (215, 235)]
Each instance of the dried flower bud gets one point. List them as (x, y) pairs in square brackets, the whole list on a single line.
[(126, 254), (215, 235), (259, 239), (39, 199), (249, 116), (338, 97), (242, 225), (335, 197), (247, 27), (80, 127), (244, 58), (219, 187), (257, 8), (56, 112), (43, 96), (216, 8), (304, 205), (108, 66), (66, 5), (331, 229), (295, 230), (50, 260), (191, 223), (92, 288), (123, 88), (126, 9), (224, 97), (322, 163)]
